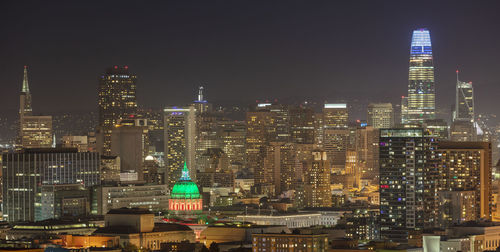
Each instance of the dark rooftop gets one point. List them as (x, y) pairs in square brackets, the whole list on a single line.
[(125, 210)]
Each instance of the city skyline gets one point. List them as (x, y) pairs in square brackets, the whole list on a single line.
[(235, 66)]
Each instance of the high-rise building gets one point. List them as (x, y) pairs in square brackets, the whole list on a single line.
[(421, 101), (34, 131), (200, 104), (260, 131), (317, 180), (464, 102), (129, 141), (380, 115), (117, 100), (403, 156), (367, 153), (180, 130), (301, 125), (335, 116), (25, 97), (466, 166), (25, 172), (79, 142), (335, 133), (232, 137)]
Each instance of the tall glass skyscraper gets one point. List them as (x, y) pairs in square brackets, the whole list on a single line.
[(464, 102), (421, 101)]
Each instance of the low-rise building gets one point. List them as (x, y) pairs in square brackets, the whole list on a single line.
[(289, 242), (290, 220), (137, 227)]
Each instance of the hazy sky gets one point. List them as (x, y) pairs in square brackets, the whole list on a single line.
[(243, 50)]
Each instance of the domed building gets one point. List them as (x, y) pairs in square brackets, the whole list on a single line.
[(185, 198)]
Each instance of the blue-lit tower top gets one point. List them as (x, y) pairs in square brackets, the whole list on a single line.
[(421, 89), (421, 42)]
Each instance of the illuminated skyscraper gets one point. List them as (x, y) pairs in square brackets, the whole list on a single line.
[(25, 97), (464, 102), (380, 115), (335, 133), (34, 131), (317, 180), (179, 133), (117, 99), (421, 101)]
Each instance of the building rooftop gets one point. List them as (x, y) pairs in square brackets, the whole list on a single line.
[(159, 227), (125, 210)]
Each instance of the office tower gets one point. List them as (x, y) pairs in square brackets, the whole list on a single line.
[(301, 125), (201, 105), (67, 200), (280, 163), (25, 172), (281, 118), (380, 115), (110, 169), (317, 180), (464, 102), (260, 131), (129, 141), (403, 156), (335, 116), (437, 128), (117, 100), (463, 131), (24, 104), (421, 89), (367, 154), (335, 133), (232, 138), (318, 129), (455, 208), (79, 142), (180, 130), (150, 197), (207, 127), (466, 166), (36, 132)]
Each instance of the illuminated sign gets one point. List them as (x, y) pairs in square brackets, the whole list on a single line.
[(335, 105)]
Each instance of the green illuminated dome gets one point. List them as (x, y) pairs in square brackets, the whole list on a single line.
[(185, 188)]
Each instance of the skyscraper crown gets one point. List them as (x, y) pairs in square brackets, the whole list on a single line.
[(421, 42)]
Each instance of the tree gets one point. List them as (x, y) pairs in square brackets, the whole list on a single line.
[(214, 247), (129, 247)]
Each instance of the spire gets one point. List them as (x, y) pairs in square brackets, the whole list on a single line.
[(457, 75), (200, 94), (26, 88), (185, 172)]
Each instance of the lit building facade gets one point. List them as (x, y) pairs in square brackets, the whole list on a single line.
[(380, 115), (129, 141), (317, 180), (290, 242), (36, 132), (421, 101), (150, 197), (117, 100), (402, 166), (24, 173), (466, 166), (179, 134), (464, 102), (185, 198)]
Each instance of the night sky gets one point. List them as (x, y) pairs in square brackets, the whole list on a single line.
[(243, 50)]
